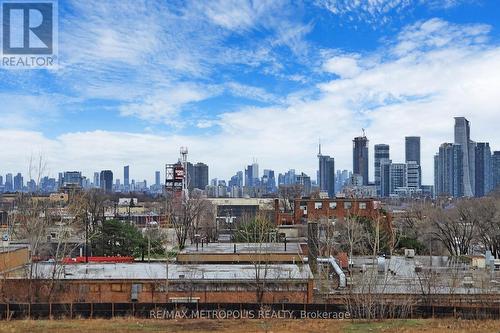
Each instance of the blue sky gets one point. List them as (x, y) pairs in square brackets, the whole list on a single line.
[(237, 80)]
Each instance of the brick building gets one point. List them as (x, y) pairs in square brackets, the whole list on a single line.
[(148, 283), (338, 208)]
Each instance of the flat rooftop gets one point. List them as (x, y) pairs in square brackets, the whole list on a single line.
[(158, 271), (11, 248), (263, 202), (441, 274), (242, 248)]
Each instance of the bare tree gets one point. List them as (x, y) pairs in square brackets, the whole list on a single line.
[(455, 227), (287, 195), (37, 168), (488, 227), (33, 219), (88, 209), (183, 213), (256, 232), (351, 233), (327, 236)]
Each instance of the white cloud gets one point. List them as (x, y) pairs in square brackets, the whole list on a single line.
[(205, 123), (166, 106), (449, 70), (370, 11), (140, 54), (436, 34), (343, 66), (29, 111), (254, 93), (380, 12), (234, 15)]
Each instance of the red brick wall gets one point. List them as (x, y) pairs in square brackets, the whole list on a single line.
[(120, 291)]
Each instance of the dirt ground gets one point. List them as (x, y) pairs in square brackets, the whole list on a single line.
[(248, 326)]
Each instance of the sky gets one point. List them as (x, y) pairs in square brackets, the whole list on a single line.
[(237, 81)]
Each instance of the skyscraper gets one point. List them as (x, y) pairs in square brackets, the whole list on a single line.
[(48, 184), (448, 168), (483, 171), (288, 178), (190, 175), (126, 178), (269, 181), (495, 166), (9, 186), (342, 176), (96, 179), (72, 177), (197, 175), (397, 176), (385, 177), (255, 172), (18, 182), (157, 179), (462, 137), (412, 149), (360, 157), (252, 175), (305, 181), (381, 152), (413, 177), (106, 180), (326, 174), (236, 180), (200, 175), (412, 154)]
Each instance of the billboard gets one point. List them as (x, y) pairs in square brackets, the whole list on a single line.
[(174, 177)]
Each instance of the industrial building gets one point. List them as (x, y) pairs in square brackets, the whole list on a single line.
[(160, 282), (238, 253), (338, 208)]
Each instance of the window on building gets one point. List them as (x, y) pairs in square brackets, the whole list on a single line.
[(95, 288), (347, 205), (116, 287), (333, 205), (362, 205), (318, 205)]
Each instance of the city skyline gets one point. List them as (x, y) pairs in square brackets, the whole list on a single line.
[(271, 76), (319, 162), (378, 156)]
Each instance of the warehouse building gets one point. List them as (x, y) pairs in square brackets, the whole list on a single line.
[(160, 282)]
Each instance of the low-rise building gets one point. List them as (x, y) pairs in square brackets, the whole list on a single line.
[(161, 282), (238, 253), (12, 256)]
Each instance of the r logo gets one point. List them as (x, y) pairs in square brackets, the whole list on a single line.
[(28, 27)]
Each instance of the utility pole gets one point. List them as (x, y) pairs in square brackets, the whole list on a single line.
[(86, 239)]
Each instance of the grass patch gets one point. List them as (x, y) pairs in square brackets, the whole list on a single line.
[(127, 325), (381, 326)]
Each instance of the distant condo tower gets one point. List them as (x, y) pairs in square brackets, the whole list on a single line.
[(360, 157), (381, 156), (326, 174), (462, 137)]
